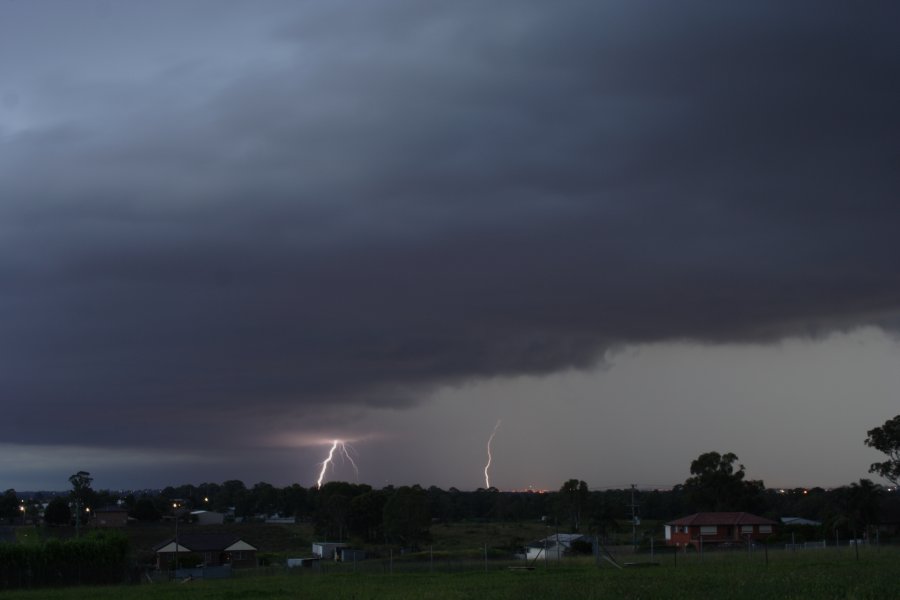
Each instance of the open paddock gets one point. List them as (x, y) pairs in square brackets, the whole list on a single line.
[(835, 573)]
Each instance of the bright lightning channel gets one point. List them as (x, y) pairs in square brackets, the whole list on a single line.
[(343, 450), (487, 477)]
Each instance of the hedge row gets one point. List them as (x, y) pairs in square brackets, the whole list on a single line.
[(98, 558)]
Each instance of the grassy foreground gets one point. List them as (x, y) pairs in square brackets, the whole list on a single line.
[(808, 574)]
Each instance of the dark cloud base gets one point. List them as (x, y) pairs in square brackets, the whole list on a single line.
[(431, 194)]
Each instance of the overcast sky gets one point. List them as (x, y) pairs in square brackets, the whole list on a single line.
[(633, 231)]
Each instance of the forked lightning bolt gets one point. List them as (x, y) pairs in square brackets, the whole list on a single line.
[(342, 448), (487, 477)]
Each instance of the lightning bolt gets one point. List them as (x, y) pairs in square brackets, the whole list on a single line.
[(487, 477), (343, 450)]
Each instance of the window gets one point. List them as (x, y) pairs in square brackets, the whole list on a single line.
[(746, 528), (765, 529), (708, 530)]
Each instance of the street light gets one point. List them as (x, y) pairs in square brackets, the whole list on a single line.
[(175, 510), (22, 510)]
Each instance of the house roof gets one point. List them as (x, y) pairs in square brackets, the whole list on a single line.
[(204, 542), (722, 518)]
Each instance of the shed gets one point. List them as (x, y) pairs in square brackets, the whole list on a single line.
[(207, 517), (555, 546), (351, 554), (326, 549)]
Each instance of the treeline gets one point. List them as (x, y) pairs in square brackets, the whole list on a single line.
[(402, 515), (98, 558)]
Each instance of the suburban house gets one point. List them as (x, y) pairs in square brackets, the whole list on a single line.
[(213, 549), (110, 516), (717, 528), (555, 546)]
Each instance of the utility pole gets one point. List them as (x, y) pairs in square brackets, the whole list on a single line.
[(633, 520)]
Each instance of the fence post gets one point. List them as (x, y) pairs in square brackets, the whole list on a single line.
[(485, 558)]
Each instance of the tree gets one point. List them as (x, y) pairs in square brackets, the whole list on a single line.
[(264, 498), (58, 512), (82, 494), (406, 516), (863, 502), (292, 501), (145, 510), (9, 506), (886, 439), (573, 497), (231, 493), (81, 482), (332, 516), (367, 515), (716, 485), (603, 515)]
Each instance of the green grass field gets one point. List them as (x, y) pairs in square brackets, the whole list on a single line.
[(808, 574)]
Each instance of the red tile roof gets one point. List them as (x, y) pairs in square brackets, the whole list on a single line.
[(722, 518)]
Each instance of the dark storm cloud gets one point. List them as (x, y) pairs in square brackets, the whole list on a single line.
[(419, 193)]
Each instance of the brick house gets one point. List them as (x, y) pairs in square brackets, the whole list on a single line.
[(718, 528), (214, 549)]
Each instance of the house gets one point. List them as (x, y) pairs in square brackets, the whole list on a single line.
[(555, 546), (213, 549), (110, 516), (717, 528)]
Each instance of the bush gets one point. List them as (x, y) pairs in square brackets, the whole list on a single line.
[(98, 558)]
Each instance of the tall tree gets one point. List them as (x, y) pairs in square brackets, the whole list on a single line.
[(82, 495), (716, 485), (886, 439), (573, 496), (406, 516), (81, 483), (862, 503), (367, 515)]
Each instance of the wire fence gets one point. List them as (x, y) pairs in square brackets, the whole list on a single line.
[(602, 557)]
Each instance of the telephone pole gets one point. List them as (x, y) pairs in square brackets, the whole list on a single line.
[(634, 519)]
